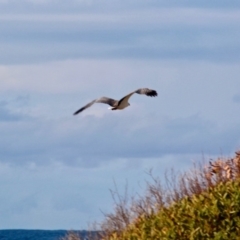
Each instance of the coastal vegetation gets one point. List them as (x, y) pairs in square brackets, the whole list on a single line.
[(202, 203)]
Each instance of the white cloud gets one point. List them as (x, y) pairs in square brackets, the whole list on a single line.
[(133, 33), (194, 104), (152, 17)]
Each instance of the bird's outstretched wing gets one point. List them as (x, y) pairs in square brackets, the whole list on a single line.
[(109, 101), (86, 106), (105, 100), (146, 91)]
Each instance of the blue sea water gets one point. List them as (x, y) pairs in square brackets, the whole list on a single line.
[(37, 234)]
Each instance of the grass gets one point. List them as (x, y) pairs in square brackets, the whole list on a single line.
[(203, 203)]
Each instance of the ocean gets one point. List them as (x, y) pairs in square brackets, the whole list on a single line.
[(37, 234)]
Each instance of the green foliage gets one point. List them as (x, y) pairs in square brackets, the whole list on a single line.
[(210, 208), (203, 203), (214, 214)]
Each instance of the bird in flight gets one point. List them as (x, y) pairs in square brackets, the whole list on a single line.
[(122, 103)]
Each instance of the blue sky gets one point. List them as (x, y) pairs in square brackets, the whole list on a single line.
[(56, 169)]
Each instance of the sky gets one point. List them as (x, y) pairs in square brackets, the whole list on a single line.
[(56, 169)]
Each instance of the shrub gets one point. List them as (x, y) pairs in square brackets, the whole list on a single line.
[(203, 203)]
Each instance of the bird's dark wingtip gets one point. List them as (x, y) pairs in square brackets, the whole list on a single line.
[(78, 111), (152, 93)]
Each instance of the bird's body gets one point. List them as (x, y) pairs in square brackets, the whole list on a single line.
[(122, 103)]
